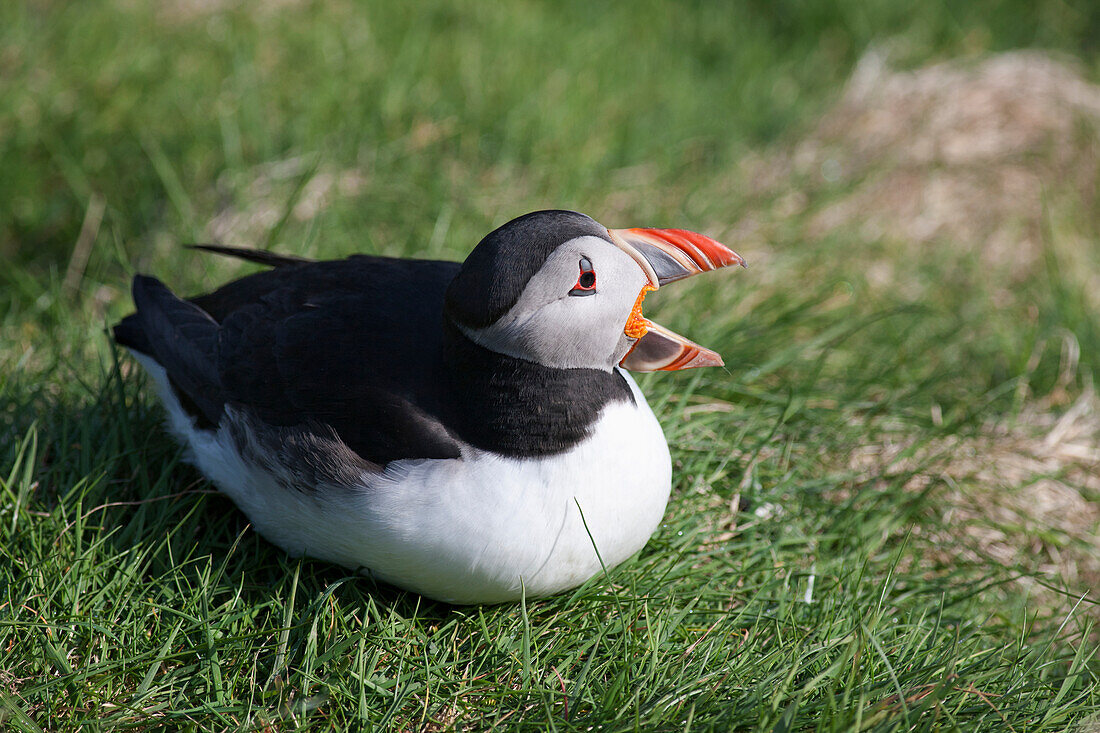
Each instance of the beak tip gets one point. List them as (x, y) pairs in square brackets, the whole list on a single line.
[(734, 259), (695, 357), (706, 359)]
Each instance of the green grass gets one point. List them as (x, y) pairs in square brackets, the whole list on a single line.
[(788, 589)]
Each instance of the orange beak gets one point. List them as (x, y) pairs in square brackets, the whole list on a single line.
[(667, 255)]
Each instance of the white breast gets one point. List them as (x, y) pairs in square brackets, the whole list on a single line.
[(478, 529)]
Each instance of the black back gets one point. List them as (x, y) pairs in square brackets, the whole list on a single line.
[(362, 348)]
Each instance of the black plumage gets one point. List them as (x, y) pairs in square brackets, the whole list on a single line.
[(364, 352), (499, 268)]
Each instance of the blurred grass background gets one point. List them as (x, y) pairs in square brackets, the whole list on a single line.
[(906, 435), (162, 107)]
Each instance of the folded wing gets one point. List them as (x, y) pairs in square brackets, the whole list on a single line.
[(316, 346)]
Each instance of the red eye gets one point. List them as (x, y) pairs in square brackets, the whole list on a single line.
[(586, 281)]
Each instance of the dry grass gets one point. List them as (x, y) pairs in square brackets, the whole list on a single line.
[(964, 160), (957, 153), (1023, 494), (962, 156)]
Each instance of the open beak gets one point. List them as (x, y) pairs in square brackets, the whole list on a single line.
[(667, 255)]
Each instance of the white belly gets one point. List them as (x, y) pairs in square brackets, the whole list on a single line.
[(478, 529)]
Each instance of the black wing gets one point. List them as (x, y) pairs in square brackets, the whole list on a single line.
[(352, 344), (259, 256)]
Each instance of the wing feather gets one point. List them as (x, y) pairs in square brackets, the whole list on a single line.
[(351, 346)]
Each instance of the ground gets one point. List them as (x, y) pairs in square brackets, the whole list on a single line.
[(886, 507)]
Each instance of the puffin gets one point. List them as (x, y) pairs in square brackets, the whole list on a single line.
[(466, 431)]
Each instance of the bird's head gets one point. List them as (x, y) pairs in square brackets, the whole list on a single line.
[(559, 289)]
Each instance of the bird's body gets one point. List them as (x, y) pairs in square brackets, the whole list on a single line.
[(481, 528), (411, 418)]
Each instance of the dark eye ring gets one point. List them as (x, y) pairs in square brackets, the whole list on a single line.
[(586, 281)]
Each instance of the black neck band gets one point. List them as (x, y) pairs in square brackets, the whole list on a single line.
[(518, 408)]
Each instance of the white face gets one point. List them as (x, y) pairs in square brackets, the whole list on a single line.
[(551, 327)]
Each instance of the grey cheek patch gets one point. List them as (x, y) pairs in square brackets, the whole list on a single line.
[(551, 327)]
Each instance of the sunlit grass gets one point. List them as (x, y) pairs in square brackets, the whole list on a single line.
[(791, 587)]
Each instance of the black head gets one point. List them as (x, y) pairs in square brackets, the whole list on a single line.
[(515, 292), (521, 292), (496, 273)]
